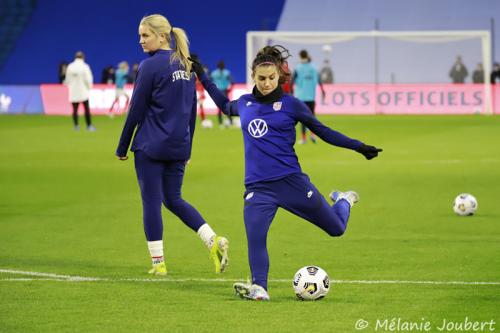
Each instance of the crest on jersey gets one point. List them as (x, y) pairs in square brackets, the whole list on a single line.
[(257, 128), (277, 106)]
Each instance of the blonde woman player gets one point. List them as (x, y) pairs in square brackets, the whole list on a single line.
[(163, 115)]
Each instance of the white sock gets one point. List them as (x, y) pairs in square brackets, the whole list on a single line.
[(207, 235), (156, 251)]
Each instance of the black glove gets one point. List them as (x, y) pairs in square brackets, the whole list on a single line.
[(196, 65), (368, 151)]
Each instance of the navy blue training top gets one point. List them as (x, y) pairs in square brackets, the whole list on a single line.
[(268, 126), (163, 108)]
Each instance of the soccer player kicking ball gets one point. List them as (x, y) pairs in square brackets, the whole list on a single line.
[(273, 177), (163, 108)]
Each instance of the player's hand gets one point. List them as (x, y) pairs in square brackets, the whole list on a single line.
[(197, 66), (122, 158), (369, 151)]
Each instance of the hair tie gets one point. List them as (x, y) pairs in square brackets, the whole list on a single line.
[(266, 63), (172, 39)]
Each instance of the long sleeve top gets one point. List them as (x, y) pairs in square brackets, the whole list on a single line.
[(268, 126), (162, 108), (79, 81)]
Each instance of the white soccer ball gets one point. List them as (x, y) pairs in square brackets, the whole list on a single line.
[(311, 283), (236, 122), (207, 123), (465, 204)]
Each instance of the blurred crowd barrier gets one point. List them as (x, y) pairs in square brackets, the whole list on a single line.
[(52, 99)]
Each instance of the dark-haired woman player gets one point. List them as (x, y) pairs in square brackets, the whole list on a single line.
[(273, 177)]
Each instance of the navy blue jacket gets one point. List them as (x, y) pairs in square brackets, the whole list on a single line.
[(268, 125), (163, 108)]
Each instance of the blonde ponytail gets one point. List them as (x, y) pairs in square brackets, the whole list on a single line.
[(181, 51)]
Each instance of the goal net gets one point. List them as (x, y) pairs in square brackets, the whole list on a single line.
[(392, 71)]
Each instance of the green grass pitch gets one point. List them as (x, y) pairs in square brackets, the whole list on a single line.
[(68, 207)]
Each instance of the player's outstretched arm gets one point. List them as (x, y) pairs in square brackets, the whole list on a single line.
[(229, 108), (331, 136)]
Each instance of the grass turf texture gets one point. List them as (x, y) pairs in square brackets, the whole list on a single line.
[(67, 206)]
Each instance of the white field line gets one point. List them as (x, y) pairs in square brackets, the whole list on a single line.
[(39, 276)]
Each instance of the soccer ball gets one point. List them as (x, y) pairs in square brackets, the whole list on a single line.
[(465, 204), (236, 122), (207, 123), (311, 283)]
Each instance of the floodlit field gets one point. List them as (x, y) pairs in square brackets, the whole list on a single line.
[(73, 255)]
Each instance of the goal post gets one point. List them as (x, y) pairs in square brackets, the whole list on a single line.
[(385, 57)]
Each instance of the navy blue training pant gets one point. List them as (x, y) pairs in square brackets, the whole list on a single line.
[(296, 194), (161, 182)]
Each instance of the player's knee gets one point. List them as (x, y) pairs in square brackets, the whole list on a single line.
[(336, 232), (172, 203)]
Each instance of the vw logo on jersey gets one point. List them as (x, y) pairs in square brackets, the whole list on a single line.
[(257, 128)]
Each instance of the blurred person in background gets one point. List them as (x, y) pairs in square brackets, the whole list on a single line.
[(286, 86), (495, 73), (326, 72), (79, 81), (458, 71), (121, 75), (223, 80), (108, 75), (273, 176), (133, 73), (304, 82), (478, 74), (162, 114), (200, 94), (63, 65)]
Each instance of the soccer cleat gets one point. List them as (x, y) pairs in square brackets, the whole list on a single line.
[(159, 269), (218, 254), (252, 292), (76, 128), (91, 128), (313, 139), (302, 142), (350, 196)]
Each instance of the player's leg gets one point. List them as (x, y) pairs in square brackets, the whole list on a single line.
[(201, 109), (149, 174), (88, 119), (75, 115), (219, 117), (110, 111), (302, 198), (303, 137), (259, 211), (127, 100), (312, 106), (172, 179), (229, 117)]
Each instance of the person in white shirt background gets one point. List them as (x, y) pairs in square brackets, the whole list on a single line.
[(79, 81)]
